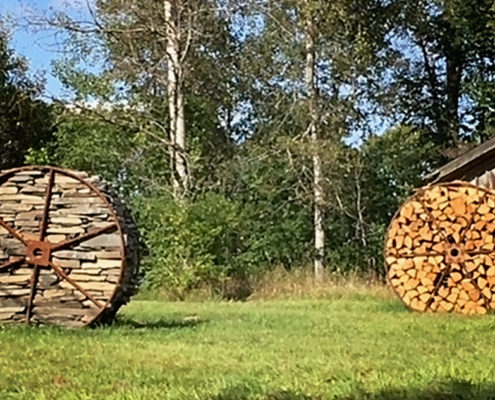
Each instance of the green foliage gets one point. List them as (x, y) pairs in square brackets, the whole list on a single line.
[(131, 79), (92, 145), (119, 153), (395, 163), (258, 216), (42, 156), (193, 244), (266, 180), (440, 73), (378, 178), (249, 207), (26, 122)]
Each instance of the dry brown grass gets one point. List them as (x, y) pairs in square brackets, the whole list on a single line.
[(280, 284), (300, 284)]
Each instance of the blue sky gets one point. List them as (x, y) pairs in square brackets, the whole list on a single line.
[(38, 48)]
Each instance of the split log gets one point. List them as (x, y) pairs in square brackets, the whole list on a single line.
[(440, 249)]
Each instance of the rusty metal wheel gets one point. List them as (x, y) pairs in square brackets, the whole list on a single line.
[(68, 249)]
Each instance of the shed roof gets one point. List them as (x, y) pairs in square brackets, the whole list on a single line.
[(468, 166)]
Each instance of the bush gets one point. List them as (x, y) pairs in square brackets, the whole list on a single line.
[(192, 244)]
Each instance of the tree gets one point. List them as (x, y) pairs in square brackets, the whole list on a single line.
[(25, 120), (314, 129), (180, 176), (442, 56), (164, 62), (307, 60), (267, 95)]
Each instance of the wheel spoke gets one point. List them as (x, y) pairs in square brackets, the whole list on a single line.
[(412, 255), (12, 263), (467, 274), (479, 252), (13, 232), (471, 220), (46, 208), (447, 271), (79, 239), (430, 216), (60, 272), (32, 294)]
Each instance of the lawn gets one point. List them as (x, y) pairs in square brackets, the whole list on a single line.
[(348, 346)]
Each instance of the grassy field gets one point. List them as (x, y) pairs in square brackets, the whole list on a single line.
[(347, 346)]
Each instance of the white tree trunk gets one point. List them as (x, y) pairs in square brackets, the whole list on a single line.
[(180, 160), (177, 123), (318, 192)]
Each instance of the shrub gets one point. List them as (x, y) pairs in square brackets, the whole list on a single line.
[(194, 243)]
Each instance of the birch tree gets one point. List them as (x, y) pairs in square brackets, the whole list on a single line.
[(318, 194), (309, 79), (175, 89), (163, 64)]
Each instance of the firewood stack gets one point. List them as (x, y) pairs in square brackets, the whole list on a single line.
[(69, 249), (440, 249)]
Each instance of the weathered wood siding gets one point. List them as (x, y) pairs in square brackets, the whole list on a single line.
[(486, 179)]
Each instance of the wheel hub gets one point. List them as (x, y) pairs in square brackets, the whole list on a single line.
[(38, 253), (454, 254)]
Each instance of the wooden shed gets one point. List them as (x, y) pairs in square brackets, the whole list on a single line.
[(476, 166)]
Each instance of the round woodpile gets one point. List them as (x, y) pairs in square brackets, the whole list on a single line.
[(440, 249), (69, 250)]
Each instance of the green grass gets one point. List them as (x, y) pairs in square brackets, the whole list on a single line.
[(345, 347)]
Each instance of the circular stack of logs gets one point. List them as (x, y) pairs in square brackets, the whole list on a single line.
[(440, 249), (69, 249)]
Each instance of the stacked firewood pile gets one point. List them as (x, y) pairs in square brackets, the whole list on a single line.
[(68, 248), (440, 249)]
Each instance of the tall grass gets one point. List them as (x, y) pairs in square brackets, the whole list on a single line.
[(300, 284), (279, 283)]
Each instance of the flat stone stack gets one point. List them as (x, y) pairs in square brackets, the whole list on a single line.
[(69, 249)]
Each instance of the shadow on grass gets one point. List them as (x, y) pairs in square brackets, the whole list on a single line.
[(455, 389), (452, 390), (245, 393), (162, 323)]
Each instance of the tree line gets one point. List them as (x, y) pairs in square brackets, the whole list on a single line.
[(251, 134)]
